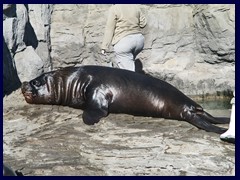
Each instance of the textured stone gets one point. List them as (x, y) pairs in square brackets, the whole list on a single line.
[(42, 50), (22, 19), (10, 33), (29, 64), (40, 19), (193, 48), (27, 25), (184, 44), (215, 32), (177, 41)]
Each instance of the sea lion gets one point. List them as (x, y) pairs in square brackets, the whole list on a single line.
[(99, 90)]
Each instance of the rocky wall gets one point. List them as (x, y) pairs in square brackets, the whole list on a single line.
[(190, 46), (26, 29)]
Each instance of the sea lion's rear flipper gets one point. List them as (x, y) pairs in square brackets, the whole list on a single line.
[(204, 124), (215, 120), (97, 106)]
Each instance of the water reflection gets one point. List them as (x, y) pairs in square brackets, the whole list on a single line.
[(215, 104)]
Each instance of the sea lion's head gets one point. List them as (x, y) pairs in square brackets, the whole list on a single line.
[(40, 90)]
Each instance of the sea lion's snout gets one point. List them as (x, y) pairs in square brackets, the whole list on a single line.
[(27, 92)]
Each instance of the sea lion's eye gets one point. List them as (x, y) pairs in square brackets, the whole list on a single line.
[(36, 83)]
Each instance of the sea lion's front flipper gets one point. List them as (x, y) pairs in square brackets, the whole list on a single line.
[(97, 106), (92, 116)]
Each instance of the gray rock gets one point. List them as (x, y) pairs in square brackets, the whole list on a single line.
[(22, 19), (10, 33), (40, 19), (215, 32), (27, 25), (42, 50), (29, 64), (186, 45)]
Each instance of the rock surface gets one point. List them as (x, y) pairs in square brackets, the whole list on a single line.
[(26, 30), (33, 65), (52, 140), (190, 46)]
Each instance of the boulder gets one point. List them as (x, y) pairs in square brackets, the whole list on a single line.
[(29, 64), (26, 26)]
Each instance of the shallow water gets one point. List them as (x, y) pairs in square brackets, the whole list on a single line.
[(220, 104)]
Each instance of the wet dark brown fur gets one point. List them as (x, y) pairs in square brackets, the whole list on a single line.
[(99, 91)]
